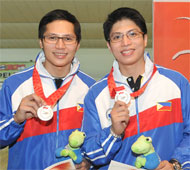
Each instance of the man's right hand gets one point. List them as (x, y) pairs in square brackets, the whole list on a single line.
[(28, 108), (119, 117)]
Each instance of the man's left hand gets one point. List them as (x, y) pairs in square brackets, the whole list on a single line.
[(165, 165), (84, 165)]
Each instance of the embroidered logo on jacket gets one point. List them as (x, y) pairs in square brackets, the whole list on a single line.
[(108, 113), (164, 106), (80, 107)]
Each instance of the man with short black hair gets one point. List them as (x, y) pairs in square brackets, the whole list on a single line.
[(43, 104), (136, 98)]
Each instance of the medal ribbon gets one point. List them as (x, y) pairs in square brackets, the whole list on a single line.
[(113, 89), (54, 97)]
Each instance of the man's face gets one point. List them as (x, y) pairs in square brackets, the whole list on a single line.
[(127, 51), (59, 54)]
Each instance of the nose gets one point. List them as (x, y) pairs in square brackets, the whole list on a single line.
[(60, 44), (126, 40)]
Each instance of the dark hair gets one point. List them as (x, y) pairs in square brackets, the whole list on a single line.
[(59, 14), (123, 13)]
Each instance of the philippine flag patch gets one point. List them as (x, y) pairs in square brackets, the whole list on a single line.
[(79, 107), (164, 106)]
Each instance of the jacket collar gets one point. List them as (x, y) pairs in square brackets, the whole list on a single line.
[(44, 73), (119, 78)]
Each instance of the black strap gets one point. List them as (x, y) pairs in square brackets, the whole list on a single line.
[(134, 85), (58, 82)]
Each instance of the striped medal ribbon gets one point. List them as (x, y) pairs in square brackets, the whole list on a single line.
[(113, 89), (45, 112)]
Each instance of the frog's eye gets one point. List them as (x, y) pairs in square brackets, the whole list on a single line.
[(148, 139), (84, 134)]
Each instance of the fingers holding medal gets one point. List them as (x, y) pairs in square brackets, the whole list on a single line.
[(28, 108), (120, 112), (44, 111)]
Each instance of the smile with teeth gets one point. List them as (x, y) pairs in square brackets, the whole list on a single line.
[(60, 54), (127, 52)]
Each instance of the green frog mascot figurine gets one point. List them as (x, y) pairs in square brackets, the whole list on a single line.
[(72, 150), (148, 158)]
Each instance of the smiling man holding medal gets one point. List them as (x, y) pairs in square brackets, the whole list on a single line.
[(39, 106), (136, 98)]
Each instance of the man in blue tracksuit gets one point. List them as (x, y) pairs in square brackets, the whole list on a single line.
[(158, 107), (49, 87)]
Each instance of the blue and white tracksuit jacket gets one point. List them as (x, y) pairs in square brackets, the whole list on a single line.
[(161, 112), (32, 144)]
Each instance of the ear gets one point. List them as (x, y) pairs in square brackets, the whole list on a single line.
[(145, 40), (78, 46), (41, 43), (109, 47)]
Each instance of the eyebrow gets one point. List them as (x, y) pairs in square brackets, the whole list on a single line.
[(61, 34), (127, 31)]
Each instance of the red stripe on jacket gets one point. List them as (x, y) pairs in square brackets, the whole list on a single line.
[(73, 119), (69, 118), (151, 119), (131, 129)]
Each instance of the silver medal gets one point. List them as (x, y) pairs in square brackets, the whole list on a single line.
[(123, 96), (45, 113)]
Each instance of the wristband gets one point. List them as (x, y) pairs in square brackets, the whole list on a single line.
[(176, 164), (115, 135)]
